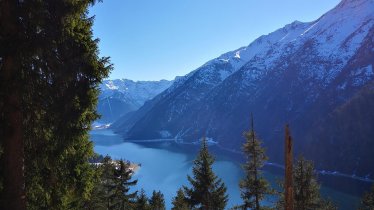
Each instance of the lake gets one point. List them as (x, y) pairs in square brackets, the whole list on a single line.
[(164, 167)]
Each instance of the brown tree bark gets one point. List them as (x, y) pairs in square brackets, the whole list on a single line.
[(257, 200), (288, 185), (13, 156)]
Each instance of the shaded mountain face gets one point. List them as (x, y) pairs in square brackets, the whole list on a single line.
[(121, 96), (315, 76)]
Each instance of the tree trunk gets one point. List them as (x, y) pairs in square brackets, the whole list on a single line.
[(13, 156), (288, 185)]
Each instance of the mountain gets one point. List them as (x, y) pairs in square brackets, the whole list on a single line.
[(316, 76), (121, 96)]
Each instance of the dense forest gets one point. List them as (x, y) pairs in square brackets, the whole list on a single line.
[(50, 70)]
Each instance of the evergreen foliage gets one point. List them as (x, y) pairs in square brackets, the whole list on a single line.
[(112, 186), (368, 200), (50, 65), (122, 177), (253, 187), (157, 201), (142, 201), (179, 201), (306, 189), (207, 191)]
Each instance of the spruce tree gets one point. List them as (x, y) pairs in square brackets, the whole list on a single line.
[(367, 202), (326, 204), (179, 201), (50, 72), (111, 186), (157, 201), (122, 177), (96, 200), (109, 183), (306, 188), (207, 191), (11, 60), (142, 202), (253, 187)]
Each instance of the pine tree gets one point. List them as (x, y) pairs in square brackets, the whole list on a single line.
[(207, 191), (12, 167), (97, 200), (142, 201), (306, 188), (122, 177), (109, 186), (50, 71), (179, 201), (157, 201), (327, 205), (254, 187), (368, 200)]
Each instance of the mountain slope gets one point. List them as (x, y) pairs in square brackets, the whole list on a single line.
[(300, 74), (121, 96)]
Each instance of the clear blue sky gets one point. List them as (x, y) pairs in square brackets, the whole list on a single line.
[(161, 39)]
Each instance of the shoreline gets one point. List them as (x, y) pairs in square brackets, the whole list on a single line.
[(323, 172)]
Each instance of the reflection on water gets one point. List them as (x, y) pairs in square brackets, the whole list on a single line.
[(165, 167)]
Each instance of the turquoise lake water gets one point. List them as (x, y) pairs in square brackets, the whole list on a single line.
[(165, 167)]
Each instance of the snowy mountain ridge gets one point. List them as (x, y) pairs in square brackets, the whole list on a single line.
[(307, 74), (121, 96), (138, 92)]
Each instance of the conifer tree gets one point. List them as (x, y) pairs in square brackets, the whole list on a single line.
[(12, 167), (306, 188), (207, 191), (142, 201), (179, 201), (157, 201), (367, 202), (96, 200), (108, 183), (50, 71), (326, 204), (122, 177), (253, 187)]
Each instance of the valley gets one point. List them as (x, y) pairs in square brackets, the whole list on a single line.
[(164, 166)]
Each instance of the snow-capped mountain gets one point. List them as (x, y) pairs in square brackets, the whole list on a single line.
[(120, 96), (312, 75)]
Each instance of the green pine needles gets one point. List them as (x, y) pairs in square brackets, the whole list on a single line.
[(180, 201), (207, 191), (367, 202), (253, 187)]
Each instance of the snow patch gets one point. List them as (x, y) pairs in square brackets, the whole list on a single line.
[(237, 55), (165, 134), (111, 86), (362, 75), (210, 141), (312, 26)]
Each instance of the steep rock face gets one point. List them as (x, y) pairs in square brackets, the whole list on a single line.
[(121, 96), (300, 74)]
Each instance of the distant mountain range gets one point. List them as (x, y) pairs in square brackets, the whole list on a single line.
[(121, 96), (316, 76)]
